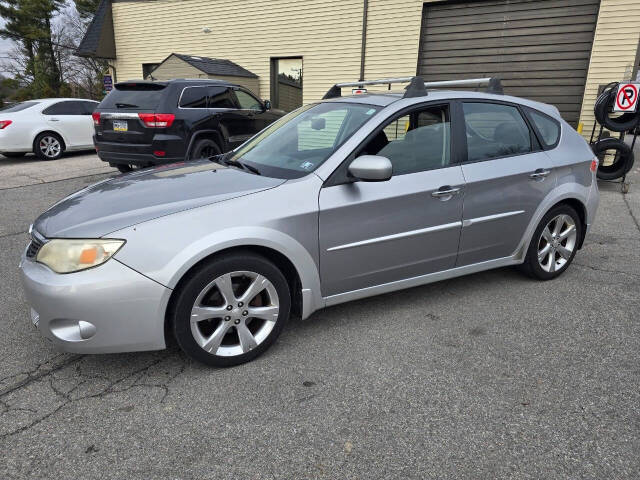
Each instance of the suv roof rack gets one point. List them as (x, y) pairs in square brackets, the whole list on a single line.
[(417, 86)]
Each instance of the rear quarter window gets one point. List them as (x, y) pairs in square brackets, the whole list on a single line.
[(548, 128)]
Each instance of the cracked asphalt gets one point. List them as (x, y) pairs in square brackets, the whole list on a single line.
[(487, 376)]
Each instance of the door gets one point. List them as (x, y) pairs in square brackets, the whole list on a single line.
[(540, 48), (507, 176), (232, 121), (373, 233), (255, 112), (71, 120)]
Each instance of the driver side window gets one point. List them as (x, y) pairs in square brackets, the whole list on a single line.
[(415, 142)]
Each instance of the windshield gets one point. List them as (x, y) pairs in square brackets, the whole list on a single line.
[(301, 141), (18, 107)]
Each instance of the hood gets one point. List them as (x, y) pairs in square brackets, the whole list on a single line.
[(136, 197)]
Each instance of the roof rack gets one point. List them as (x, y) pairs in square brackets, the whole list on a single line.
[(417, 86)]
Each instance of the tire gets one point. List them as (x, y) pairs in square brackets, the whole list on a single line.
[(217, 338), (604, 106), (13, 154), (124, 168), (48, 146), (128, 167), (554, 262), (204, 148), (623, 160)]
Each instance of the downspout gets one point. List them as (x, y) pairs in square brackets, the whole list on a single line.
[(363, 49)]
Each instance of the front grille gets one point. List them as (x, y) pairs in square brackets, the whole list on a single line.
[(35, 245)]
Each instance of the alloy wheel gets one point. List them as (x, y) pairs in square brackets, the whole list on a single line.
[(557, 243), (234, 313), (50, 146)]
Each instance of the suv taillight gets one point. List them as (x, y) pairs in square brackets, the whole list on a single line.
[(157, 120), (5, 123), (96, 118)]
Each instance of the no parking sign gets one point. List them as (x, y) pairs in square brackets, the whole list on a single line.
[(627, 98)]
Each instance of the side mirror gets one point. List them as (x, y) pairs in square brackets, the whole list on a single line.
[(371, 168), (318, 123), (267, 105)]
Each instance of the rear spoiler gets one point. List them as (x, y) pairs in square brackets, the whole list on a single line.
[(140, 85)]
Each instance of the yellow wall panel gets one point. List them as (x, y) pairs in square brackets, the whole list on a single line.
[(327, 34), (614, 50)]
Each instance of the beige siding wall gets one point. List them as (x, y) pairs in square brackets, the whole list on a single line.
[(327, 34), (614, 49)]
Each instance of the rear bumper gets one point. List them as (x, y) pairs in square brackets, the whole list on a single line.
[(140, 159), (107, 309), (117, 153)]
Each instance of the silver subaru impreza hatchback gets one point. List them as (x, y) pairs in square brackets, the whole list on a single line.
[(341, 199)]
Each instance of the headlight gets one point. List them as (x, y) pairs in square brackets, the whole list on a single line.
[(66, 256)]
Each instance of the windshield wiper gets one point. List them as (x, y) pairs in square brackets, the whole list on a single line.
[(126, 105), (235, 163)]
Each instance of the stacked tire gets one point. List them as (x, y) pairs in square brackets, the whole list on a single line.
[(620, 153)]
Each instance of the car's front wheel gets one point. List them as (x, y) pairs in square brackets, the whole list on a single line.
[(231, 309), (48, 146), (554, 243)]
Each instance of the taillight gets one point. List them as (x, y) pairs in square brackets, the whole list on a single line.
[(96, 118), (5, 123), (594, 165), (157, 120)]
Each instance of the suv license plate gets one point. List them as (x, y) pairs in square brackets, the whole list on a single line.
[(120, 126)]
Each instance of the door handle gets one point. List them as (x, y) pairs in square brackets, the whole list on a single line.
[(539, 174), (54, 120), (446, 192)]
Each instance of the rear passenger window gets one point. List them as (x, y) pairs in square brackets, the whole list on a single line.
[(65, 108), (194, 97), (220, 97), (495, 130), (549, 129)]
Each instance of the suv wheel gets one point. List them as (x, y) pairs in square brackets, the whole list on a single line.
[(205, 148), (231, 309), (48, 146), (554, 243)]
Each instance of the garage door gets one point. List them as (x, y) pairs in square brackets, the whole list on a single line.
[(540, 48)]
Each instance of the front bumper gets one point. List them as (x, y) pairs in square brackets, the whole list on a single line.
[(107, 309)]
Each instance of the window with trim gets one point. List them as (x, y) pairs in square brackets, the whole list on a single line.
[(247, 102), (220, 97), (495, 130), (415, 142), (65, 108), (548, 128), (194, 97)]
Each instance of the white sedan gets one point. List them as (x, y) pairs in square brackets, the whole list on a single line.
[(46, 127)]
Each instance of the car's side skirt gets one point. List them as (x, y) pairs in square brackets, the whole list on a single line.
[(420, 280)]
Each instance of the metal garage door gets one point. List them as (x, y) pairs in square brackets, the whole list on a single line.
[(540, 48)]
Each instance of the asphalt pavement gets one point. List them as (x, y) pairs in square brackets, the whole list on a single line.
[(492, 375)]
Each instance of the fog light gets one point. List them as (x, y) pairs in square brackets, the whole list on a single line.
[(72, 330)]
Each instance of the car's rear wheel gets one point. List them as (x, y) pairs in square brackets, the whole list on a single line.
[(205, 148), (14, 154), (554, 243), (48, 146), (128, 167), (231, 309)]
